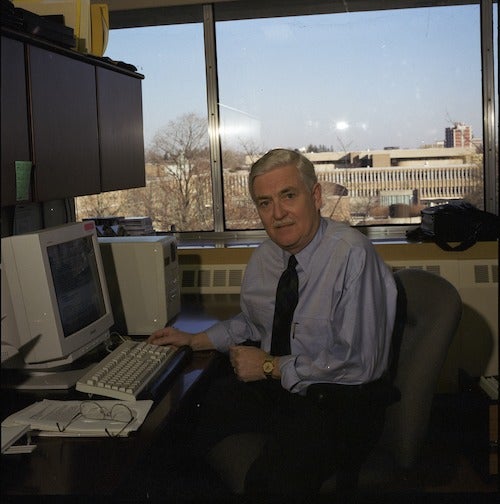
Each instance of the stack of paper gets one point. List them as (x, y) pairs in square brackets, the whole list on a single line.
[(138, 226)]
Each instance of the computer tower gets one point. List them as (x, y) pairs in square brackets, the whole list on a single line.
[(142, 273)]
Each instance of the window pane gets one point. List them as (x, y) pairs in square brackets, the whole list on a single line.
[(369, 96), (178, 191)]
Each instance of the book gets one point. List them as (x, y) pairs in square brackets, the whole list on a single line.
[(65, 418)]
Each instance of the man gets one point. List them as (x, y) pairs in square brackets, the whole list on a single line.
[(339, 334)]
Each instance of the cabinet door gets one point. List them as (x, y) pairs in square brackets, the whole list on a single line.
[(65, 133), (119, 105), (14, 116)]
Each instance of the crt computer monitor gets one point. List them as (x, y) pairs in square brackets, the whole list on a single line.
[(59, 303)]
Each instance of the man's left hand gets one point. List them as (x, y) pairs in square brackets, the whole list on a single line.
[(247, 362)]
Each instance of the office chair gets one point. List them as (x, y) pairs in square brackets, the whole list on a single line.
[(429, 311)]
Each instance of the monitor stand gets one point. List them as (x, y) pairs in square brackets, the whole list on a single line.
[(23, 379)]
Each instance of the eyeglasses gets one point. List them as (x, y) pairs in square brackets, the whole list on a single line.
[(91, 410)]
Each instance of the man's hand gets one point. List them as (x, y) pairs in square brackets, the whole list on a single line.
[(247, 362), (175, 337)]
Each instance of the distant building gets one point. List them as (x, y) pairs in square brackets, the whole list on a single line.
[(385, 158), (458, 136)]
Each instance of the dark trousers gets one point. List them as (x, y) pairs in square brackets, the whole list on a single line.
[(306, 439)]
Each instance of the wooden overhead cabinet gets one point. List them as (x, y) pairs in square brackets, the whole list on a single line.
[(64, 122), (13, 115), (119, 104), (77, 119)]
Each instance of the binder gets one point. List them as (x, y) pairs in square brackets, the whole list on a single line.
[(99, 22)]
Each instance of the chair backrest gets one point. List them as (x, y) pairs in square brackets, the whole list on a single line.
[(431, 311)]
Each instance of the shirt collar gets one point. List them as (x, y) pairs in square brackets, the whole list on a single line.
[(304, 256)]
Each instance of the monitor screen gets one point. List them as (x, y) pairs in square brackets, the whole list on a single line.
[(77, 286), (59, 307)]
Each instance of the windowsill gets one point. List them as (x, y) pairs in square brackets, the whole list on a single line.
[(234, 244), (395, 234), (390, 241)]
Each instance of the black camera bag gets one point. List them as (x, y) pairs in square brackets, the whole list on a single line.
[(458, 222)]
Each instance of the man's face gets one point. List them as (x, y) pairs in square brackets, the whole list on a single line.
[(288, 209)]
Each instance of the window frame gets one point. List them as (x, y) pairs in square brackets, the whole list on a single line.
[(209, 14)]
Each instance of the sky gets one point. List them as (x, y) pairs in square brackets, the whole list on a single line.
[(351, 81)]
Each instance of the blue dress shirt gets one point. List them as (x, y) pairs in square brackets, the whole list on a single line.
[(342, 326)]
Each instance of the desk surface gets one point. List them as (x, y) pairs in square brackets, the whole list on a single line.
[(99, 466), (94, 466)]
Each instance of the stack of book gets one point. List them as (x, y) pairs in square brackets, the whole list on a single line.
[(75, 16), (123, 226), (51, 28), (9, 17), (138, 226)]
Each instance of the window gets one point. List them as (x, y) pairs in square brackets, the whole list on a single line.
[(388, 104), (178, 192)]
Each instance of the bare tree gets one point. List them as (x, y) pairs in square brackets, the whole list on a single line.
[(99, 205), (239, 209), (233, 160), (251, 149), (475, 194), (181, 155)]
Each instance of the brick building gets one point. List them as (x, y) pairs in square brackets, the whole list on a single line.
[(458, 136)]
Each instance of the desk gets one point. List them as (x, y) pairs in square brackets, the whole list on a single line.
[(100, 466), (94, 466)]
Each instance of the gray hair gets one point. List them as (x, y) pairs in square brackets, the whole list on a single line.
[(277, 158)]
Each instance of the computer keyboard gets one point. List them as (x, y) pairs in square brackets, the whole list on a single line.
[(131, 369)]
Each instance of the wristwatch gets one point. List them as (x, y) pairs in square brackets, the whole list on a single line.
[(268, 367)]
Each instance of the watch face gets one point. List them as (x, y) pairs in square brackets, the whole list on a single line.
[(268, 367)]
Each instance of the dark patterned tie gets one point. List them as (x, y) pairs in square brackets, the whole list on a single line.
[(287, 295)]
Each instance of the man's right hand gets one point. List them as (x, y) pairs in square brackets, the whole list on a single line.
[(178, 338), (170, 336)]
